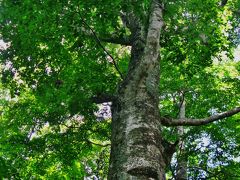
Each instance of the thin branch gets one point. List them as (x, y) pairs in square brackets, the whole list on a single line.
[(103, 145), (116, 39), (113, 38), (182, 99), (71, 127), (28, 138), (169, 150), (197, 122), (102, 98), (104, 49), (223, 2)]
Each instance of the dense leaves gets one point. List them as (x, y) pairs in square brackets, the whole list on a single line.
[(58, 59)]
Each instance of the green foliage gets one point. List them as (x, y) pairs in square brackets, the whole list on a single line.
[(53, 68)]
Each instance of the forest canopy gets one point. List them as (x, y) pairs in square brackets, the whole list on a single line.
[(139, 80)]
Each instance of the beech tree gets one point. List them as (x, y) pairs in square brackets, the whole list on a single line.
[(158, 64)]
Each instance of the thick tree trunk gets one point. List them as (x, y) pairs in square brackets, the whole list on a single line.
[(136, 151), (181, 161)]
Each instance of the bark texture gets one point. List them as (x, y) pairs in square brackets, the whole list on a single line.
[(181, 161), (136, 151)]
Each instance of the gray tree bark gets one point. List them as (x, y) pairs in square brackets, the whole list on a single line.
[(181, 160), (199, 122), (136, 150)]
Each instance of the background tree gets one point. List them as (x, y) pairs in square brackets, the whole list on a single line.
[(66, 57)]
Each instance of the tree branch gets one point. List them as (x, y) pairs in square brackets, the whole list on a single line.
[(117, 39), (102, 98), (113, 38), (223, 2), (197, 122), (102, 145), (104, 49)]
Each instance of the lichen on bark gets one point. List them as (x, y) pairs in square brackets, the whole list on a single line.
[(136, 151)]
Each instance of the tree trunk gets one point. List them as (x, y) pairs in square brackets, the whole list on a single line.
[(181, 161), (136, 151)]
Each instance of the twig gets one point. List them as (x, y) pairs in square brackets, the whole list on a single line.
[(104, 49)]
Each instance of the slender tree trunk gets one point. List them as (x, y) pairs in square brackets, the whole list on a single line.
[(136, 151), (181, 161)]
